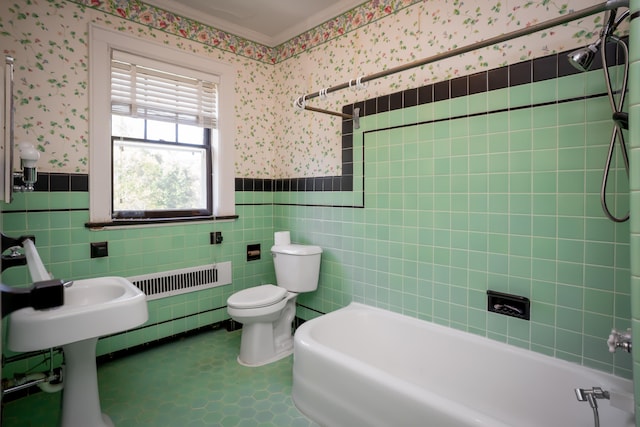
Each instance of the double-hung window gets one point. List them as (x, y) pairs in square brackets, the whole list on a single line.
[(162, 127), (166, 150)]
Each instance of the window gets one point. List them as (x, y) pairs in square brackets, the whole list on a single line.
[(168, 143)]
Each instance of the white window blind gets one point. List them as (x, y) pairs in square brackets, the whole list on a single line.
[(149, 89)]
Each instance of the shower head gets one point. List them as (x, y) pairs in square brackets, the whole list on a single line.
[(582, 58)]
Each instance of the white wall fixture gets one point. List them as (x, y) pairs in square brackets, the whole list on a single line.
[(29, 155), (6, 143)]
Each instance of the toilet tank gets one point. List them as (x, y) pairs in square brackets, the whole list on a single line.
[(297, 266)]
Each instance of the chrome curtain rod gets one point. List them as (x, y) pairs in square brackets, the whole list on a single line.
[(300, 102)]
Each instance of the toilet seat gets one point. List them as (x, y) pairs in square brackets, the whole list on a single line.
[(257, 296)]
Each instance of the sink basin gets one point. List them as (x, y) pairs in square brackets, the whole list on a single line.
[(92, 308)]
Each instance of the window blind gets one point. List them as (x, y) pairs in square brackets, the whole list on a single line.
[(152, 90)]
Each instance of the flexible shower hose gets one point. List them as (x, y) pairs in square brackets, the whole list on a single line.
[(616, 109)]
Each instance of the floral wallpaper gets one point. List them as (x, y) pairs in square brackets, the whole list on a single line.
[(49, 42)]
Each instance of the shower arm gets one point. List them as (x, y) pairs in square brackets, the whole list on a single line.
[(583, 13)]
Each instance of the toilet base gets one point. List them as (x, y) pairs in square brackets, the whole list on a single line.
[(268, 340), (274, 358)]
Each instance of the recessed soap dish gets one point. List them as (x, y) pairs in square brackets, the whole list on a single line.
[(508, 304)]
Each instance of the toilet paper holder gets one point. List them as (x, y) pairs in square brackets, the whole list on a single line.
[(253, 252)]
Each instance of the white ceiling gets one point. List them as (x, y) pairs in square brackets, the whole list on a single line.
[(269, 22)]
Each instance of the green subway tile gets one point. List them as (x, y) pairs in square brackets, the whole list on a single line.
[(520, 246), (544, 160), (396, 118), (597, 325), (543, 334), (520, 119), (598, 277), (544, 182), (572, 135), (544, 270), (520, 161), (459, 106), (478, 241), (570, 250), (571, 159), (571, 182), (599, 229), (599, 253), (441, 109), (520, 266), (37, 200), (572, 205), (544, 248), (520, 96), (571, 86), (541, 291), (599, 301), (520, 182), (498, 100), (544, 91), (571, 113), (544, 138), (569, 319), (544, 226), (570, 273), (598, 109)]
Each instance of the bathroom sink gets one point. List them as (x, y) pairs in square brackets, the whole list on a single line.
[(92, 308)]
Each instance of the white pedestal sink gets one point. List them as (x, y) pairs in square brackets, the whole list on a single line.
[(92, 308)]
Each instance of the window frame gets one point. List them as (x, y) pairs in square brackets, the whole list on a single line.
[(121, 214), (102, 42)]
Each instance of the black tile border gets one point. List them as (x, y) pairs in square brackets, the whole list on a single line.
[(63, 182), (525, 72)]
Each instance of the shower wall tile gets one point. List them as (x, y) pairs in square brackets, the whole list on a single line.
[(499, 191)]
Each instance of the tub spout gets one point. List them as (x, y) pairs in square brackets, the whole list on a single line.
[(591, 395)]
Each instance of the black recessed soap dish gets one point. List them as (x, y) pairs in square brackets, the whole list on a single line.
[(508, 304)]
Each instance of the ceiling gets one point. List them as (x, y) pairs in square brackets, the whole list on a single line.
[(269, 22)]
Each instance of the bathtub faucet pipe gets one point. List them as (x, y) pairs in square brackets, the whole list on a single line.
[(591, 394)]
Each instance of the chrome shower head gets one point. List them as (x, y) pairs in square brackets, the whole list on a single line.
[(581, 59)]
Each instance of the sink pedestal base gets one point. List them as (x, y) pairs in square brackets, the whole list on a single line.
[(80, 399)]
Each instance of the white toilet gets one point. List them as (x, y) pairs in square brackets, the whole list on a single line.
[(267, 311)]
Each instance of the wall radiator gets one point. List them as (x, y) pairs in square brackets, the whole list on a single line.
[(175, 282)]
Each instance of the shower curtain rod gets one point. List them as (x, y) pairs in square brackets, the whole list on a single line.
[(300, 102)]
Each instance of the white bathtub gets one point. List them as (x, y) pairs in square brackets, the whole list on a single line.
[(364, 366)]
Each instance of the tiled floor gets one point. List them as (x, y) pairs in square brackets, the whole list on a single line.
[(193, 382)]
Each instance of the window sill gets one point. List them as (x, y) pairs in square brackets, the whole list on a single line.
[(148, 222)]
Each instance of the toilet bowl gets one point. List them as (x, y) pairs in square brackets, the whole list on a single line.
[(267, 311), (266, 329)]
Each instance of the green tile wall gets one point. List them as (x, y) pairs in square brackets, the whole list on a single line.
[(634, 126), (57, 220), (498, 190)]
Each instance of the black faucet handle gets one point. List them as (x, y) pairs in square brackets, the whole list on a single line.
[(41, 296)]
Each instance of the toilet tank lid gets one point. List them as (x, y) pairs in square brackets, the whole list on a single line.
[(294, 249)]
